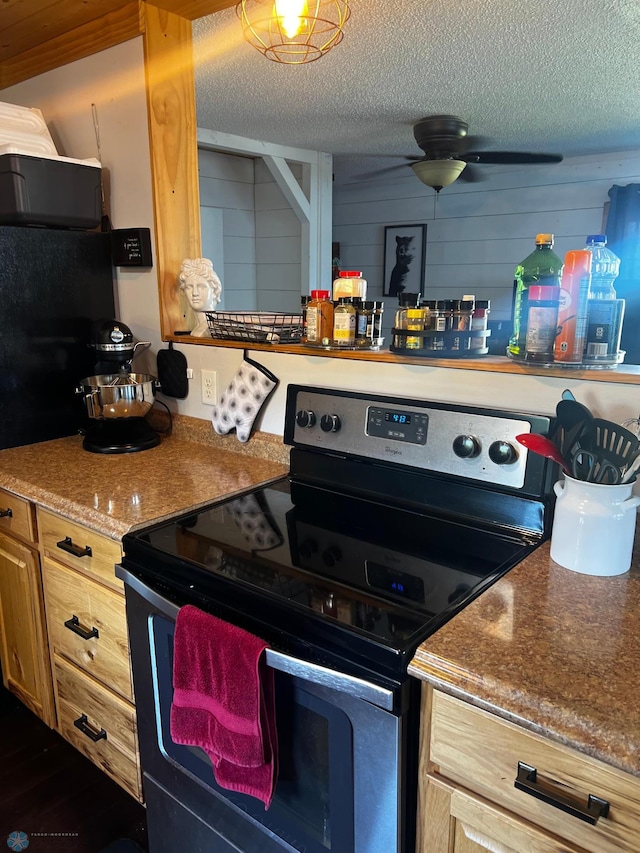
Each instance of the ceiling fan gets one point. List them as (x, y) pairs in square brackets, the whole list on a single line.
[(448, 151)]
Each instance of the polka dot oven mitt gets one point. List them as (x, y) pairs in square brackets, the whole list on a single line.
[(240, 404)]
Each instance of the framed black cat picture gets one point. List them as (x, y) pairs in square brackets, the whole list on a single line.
[(404, 259)]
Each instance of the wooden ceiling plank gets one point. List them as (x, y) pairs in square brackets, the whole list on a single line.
[(192, 9), (14, 12), (114, 28), (48, 21)]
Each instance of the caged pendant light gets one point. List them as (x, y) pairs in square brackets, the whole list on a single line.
[(293, 32)]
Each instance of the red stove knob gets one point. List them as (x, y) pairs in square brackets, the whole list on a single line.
[(503, 453), (305, 419), (330, 423), (466, 446)]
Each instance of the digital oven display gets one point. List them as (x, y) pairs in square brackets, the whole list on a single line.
[(397, 425), (397, 417)]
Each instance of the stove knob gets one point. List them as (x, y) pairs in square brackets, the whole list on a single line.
[(503, 453), (331, 556), (308, 547), (466, 446), (330, 423), (305, 418)]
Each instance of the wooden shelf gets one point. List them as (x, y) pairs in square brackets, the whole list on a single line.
[(623, 375)]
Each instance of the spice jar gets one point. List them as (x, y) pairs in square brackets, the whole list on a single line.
[(319, 318), (344, 322), (405, 302), (479, 323), (415, 321), (364, 323), (375, 334), (349, 283)]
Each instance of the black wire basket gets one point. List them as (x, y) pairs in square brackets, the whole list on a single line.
[(255, 327)]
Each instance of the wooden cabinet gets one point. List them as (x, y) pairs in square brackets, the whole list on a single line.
[(487, 784), (24, 652), (89, 645)]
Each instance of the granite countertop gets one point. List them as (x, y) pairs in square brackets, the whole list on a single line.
[(553, 650), (116, 493)]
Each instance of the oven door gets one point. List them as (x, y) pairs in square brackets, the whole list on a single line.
[(341, 750)]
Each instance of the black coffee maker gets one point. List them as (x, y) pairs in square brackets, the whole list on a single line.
[(116, 398)]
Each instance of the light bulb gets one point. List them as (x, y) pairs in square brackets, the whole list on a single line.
[(290, 15)]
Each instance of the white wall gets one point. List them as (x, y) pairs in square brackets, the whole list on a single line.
[(478, 232), (114, 80)]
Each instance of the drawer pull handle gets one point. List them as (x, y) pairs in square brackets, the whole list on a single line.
[(74, 625), (6, 513), (67, 545), (527, 781), (82, 723)]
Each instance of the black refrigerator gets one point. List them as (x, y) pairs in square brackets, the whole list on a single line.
[(54, 286)]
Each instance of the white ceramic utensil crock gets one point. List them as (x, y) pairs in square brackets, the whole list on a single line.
[(593, 526)]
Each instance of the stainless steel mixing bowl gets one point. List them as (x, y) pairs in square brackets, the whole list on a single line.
[(118, 395)]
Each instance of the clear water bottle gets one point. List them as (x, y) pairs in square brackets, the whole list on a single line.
[(605, 266), (605, 310)]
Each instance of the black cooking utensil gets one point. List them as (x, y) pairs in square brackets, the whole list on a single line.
[(615, 442), (574, 421), (172, 373)]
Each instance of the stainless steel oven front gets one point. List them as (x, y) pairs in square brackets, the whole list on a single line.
[(395, 514), (340, 737)]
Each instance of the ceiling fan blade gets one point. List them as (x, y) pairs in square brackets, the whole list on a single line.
[(471, 175), (511, 157), (376, 173)]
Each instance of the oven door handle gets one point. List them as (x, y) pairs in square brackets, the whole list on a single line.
[(349, 684)]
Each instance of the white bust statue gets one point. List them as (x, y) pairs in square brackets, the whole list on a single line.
[(202, 289)]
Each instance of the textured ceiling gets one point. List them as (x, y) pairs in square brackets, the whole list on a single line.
[(560, 76)]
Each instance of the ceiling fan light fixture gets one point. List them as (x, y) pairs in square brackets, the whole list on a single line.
[(293, 32), (438, 173)]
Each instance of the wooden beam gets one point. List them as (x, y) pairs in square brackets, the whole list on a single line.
[(118, 26), (171, 109), (290, 188)]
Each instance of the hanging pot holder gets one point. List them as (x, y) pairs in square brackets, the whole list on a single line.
[(241, 403), (172, 373)]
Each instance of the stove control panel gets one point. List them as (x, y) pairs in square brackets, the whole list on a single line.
[(475, 443)]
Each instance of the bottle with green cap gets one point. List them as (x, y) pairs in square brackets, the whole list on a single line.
[(542, 268)]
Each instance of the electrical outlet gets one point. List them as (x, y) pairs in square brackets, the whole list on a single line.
[(209, 387)]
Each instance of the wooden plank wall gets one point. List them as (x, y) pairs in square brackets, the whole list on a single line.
[(261, 233), (477, 233), (227, 185), (278, 247)]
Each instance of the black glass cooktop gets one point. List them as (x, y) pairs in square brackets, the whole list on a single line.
[(328, 562)]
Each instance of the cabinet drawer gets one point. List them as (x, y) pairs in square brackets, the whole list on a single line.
[(88, 625), (98, 723), (17, 516), (82, 549), (465, 823), (481, 752)]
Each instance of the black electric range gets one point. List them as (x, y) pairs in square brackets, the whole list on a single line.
[(396, 514)]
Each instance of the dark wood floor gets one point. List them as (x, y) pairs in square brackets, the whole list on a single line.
[(47, 786)]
